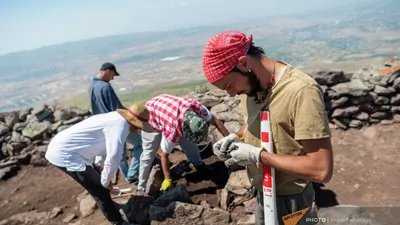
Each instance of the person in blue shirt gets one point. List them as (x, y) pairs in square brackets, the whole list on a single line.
[(103, 100)]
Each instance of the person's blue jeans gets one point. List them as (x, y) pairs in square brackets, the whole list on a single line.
[(132, 170)]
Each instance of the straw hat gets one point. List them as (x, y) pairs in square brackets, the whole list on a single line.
[(137, 115)]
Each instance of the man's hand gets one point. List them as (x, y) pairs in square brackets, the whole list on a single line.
[(221, 148), (166, 184), (244, 154)]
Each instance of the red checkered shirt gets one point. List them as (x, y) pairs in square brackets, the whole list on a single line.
[(167, 112)]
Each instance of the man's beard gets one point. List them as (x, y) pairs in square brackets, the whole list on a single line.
[(254, 83)]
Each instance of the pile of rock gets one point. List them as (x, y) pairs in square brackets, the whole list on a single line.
[(368, 96), (24, 134), (224, 107)]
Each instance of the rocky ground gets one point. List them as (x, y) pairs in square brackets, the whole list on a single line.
[(363, 109), (366, 174)]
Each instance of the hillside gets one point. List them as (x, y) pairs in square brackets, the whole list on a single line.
[(350, 34)]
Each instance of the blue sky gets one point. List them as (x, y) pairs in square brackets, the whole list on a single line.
[(35, 23)]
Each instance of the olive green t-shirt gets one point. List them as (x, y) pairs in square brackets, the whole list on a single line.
[(297, 111)]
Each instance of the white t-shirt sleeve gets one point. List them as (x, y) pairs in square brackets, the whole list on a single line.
[(166, 146), (115, 139)]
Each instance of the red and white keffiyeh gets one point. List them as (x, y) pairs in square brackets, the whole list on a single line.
[(222, 52)]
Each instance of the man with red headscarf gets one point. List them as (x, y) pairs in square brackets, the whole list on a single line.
[(299, 123)]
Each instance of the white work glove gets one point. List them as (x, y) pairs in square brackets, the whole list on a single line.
[(244, 154), (220, 148)]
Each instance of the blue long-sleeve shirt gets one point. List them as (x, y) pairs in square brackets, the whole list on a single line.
[(102, 97)]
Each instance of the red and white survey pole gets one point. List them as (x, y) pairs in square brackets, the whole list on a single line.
[(269, 191)]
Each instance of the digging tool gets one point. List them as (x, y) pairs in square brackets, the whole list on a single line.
[(269, 192), (118, 192)]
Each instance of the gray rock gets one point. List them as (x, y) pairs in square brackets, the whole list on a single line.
[(38, 160), (368, 98), (384, 91), (55, 212), (355, 124), (54, 127), (69, 217), (34, 130), (220, 108), (229, 116), (225, 199), (342, 122), (379, 115), (336, 103), (11, 119), (210, 101), (238, 180), (329, 77), (232, 102), (74, 120), (396, 83), (381, 100), (345, 112), (247, 220), (79, 112), (233, 126), (395, 100), (13, 148), (9, 171), (61, 115), (355, 88), (61, 128), (385, 108), (250, 205), (361, 116), (218, 93), (386, 122), (38, 109), (87, 205), (395, 110), (4, 129), (201, 89), (396, 118), (24, 113), (31, 217), (19, 126)]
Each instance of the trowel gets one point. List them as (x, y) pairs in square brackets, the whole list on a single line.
[(118, 192)]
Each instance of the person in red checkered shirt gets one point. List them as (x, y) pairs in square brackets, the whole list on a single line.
[(176, 120)]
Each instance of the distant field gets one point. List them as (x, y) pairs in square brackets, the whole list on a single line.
[(82, 101)]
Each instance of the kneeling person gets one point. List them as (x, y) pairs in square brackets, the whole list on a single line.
[(176, 120), (74, 150)]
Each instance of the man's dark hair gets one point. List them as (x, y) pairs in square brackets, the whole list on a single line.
[(255, 51)]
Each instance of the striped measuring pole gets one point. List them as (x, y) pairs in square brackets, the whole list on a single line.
[(269, 192)]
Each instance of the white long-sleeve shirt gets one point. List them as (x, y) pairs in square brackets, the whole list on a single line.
[(99, 135)]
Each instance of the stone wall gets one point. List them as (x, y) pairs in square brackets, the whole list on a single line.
[(24, 134), (368, 96)]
